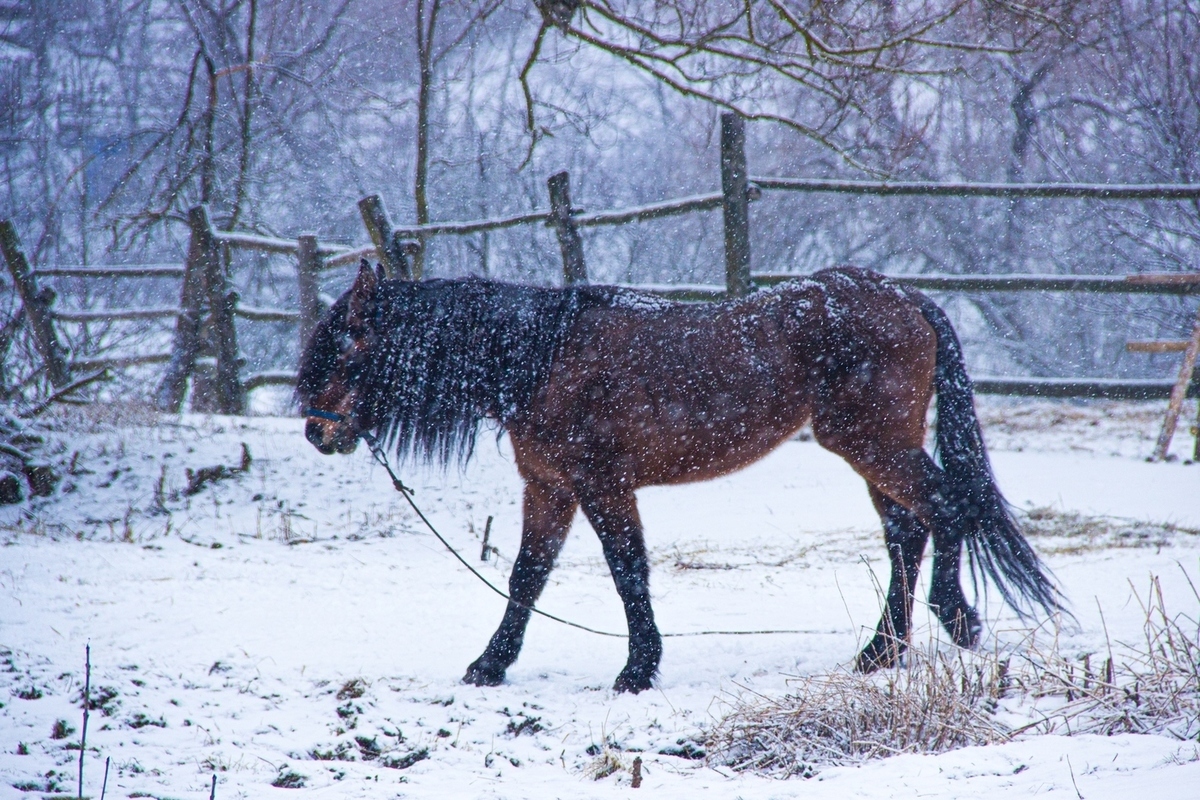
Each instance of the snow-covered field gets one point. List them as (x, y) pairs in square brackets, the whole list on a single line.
[(296, 620)]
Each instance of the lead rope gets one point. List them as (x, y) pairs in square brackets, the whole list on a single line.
[(407, 493)]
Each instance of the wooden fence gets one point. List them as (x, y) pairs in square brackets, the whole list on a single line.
[(204, 344)]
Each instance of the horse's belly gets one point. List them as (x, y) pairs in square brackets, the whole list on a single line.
[(678, 445)]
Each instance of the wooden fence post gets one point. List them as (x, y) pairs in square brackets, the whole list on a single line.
[(1178, 393), (308, 267), (230, 396), (412, 255), (569, 241), (1196, 432), (379, 228), (736, 204), (37, 307), (186, 345), (204, 289)]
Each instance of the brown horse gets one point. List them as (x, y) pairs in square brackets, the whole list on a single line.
[(605, 390)]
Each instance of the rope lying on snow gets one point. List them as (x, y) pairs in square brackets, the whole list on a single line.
[(407, 493)]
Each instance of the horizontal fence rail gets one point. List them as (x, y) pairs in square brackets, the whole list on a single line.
[(270, 378), (621, 216), (474, 226), (669, 208), (1095, 389), (1155, 283), (349, 257), (1094, 191), (108, 315), (266, 314), (146, 271), (269, 244), (117, 361)]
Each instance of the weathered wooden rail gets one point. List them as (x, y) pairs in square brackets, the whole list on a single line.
[(214, 367), (1051, 191)]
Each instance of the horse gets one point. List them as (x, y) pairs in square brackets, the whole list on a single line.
[(603, 390)]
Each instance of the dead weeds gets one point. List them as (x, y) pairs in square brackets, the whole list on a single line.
[(1068, 533), (938, 702), (942, 701)]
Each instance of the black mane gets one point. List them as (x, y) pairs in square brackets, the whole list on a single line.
[(451, 352), (321, 354)]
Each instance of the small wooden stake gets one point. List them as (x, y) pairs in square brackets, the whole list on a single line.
[(1178, 393), (637, 772), (104, 786), (487, 532), (87, 701), (212, 795)]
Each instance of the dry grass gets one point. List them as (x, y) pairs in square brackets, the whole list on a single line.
[(1148, 686), (103, 417), (940, 701), (1005, 415), (608, 762), (1059, 532)]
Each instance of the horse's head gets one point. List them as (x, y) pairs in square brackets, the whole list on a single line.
[(330, 385)]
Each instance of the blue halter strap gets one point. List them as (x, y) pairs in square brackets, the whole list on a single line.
[(332, 416)]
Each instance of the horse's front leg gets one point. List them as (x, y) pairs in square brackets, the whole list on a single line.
[(547, 518), (615, 519)]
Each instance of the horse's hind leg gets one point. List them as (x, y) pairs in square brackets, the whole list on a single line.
[(905, 536), (547, 519), (909, 476), (946, 596), (914, 481), (615, 519)]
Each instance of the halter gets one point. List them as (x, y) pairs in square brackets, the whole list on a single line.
[(332, 416)]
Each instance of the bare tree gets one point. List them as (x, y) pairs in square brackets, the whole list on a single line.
[(817, 68)]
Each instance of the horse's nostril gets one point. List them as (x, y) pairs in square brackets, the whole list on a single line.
[(312, 432)]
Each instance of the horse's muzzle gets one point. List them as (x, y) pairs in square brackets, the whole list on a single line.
[(328, 442)]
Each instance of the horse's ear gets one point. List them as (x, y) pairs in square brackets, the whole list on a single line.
[(362, 296), (379, 273)]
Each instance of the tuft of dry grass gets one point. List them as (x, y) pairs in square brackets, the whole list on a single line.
[(608, 762), (940, 701), (937, 702), (1063, 532), (1148, 686), (1006, 415)]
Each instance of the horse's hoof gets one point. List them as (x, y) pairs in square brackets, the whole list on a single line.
[(633, 681), (965, 627), (479, 674), (879, 654)]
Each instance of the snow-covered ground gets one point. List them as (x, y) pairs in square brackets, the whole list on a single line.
[(297, 612)]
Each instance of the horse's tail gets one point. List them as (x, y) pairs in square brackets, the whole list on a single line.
[(996, 548)]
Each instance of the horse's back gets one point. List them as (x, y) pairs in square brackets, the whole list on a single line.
[(667, 392)]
